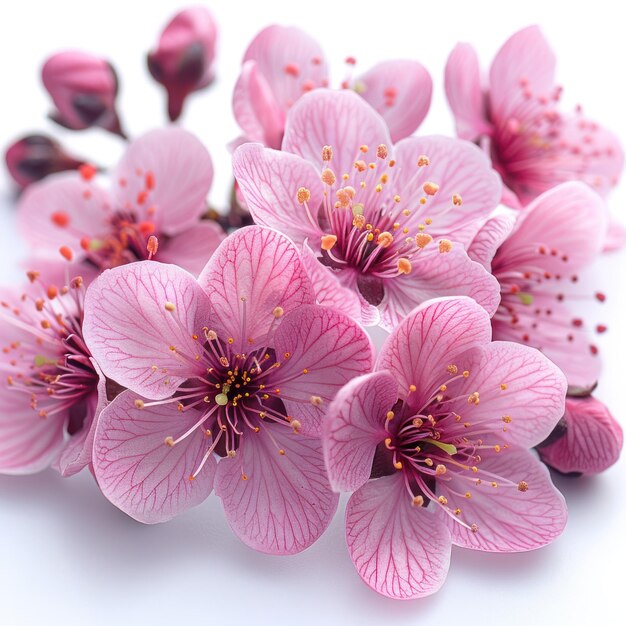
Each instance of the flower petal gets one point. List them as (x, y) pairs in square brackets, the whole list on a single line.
[(399, 550), (290, 60), (263, 267), (429, 339), (354, 426), (191, 249), (490, 237), (255, 108), (514, 381), (437, 274), (340, 119), (131, 334), (269, 181), (285, 503), (592, 440), (138, 472), (326, 349), (508, 519), (525, 61), (400, 91), (165, 176), (60, 211), (464, 92), (460, 169), (615, 236)]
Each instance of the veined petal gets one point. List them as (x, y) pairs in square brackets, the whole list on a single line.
[(354, 426), (284, 503), (399, 550), (138, 471), (137, 341), (490, 237)]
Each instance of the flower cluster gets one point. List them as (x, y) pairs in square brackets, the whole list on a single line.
[(176, 350)]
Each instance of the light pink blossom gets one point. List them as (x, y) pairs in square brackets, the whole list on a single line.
[(83, 88), (51, 389), (434, 444), (388, 222), (237, 366), (183, 58), (516, 117), (536, 256), (283, 63), (587, 440), (158, 190)]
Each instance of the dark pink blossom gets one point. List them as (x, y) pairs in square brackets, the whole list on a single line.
[(238, 366), (434, 444)]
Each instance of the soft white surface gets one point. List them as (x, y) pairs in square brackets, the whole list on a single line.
[(69, 557)]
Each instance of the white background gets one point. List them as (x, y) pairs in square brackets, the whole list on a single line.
[(69, 557)]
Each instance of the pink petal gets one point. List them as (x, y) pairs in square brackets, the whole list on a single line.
[(165, 175), (525, 62), (508, 520), (354, 426), (615, 236), (340, 119), (77, 453), (285, 503), (28, 443), (437, 274), (328, 289), (130, 332), (60, 211), (191, 249), (570, 218), (515, 381), (269, 181), (327, 349), (290, 60), (263, 267), (255, 108), (459, 168), (490, 237), (464, 92), (400, 91), (399, 550), (592, 440), (429, 339), (138, 472)]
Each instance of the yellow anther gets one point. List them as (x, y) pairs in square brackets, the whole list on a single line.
[(452, 369), (504, 386), (430, 188), (169, 441), (522, 485), (315, 401), (357, 209), (303, 195), (422, 240), (328, 241), (474, 398), (139, 404), (327, 153), (328, 177), (418, 501), (457, 200), (170, 306), (442, 500), (445, 245), (385, 239), (440, 470), (398, 465), (278, 312), (404, 266), (382, 151)]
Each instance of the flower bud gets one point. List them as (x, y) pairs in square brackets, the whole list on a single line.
[(83, 88), (183, 58), (34, 157)]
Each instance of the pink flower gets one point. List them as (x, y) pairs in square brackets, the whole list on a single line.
[(83, 88), (587, 440), (158, 190), (537, 266), (435, 443), (237, 366), (381, 219), (51, 390), (34, 157), (283, 63), (516, 118), (183, 59)]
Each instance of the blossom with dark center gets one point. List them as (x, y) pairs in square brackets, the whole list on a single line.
[(238, 366), (387, 222), (33, 157), (516, 118), (283, 63), (156, 198), (587, 440), (435, 443), (536, 256), (183, 58), (51, 390), (83, 88)]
